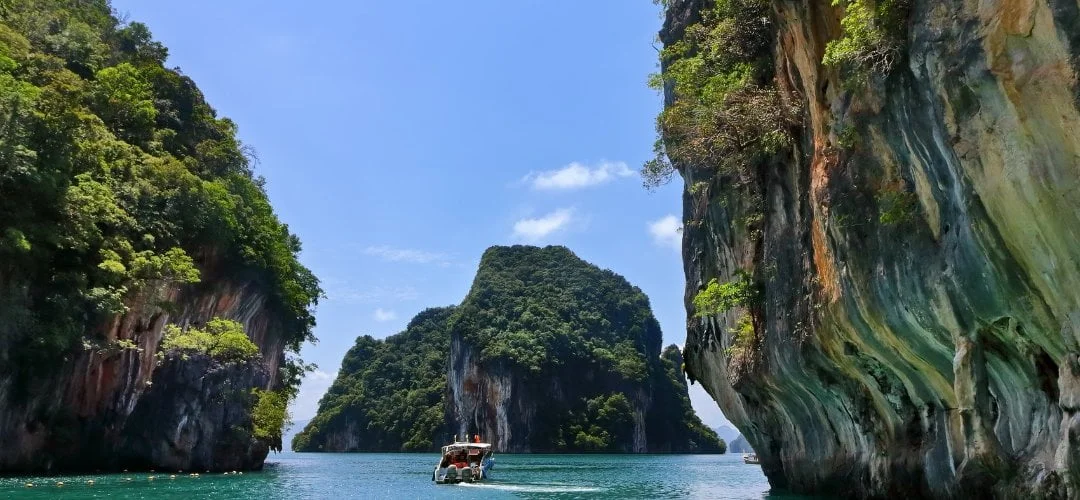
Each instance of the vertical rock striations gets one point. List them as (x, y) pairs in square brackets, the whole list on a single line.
[(912, 246)]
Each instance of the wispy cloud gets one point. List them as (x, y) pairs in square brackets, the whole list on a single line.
[(382, 315), (319, 375), (578, 175), (535, 229), (392, 254), (373, 294), (667, 232)]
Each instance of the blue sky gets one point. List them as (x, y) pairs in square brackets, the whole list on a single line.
[(401, 139)]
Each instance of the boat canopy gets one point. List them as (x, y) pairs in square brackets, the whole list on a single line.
[(466, 446)]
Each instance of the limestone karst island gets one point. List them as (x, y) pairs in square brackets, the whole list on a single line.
[(751, 249)]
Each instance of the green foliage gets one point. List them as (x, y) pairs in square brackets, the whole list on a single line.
[(269, 416), (727, 114), (718, 298), (848, 137), (742, 337), (605, 423), (118, 182), (222, 339), (125, 101), (540, 309), (897, 207), (393, 390), (234, 346), (873, 37)]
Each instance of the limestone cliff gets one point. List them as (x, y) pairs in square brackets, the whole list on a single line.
[(112, 405), (914, 247)]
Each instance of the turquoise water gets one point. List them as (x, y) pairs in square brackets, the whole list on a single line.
[(338, 476)]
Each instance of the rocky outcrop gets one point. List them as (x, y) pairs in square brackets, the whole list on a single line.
[(932, 352), (117, 404)]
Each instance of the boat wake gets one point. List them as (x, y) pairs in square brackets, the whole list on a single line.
[(533, 488)]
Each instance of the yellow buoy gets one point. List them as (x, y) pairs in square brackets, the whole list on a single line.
[(151, 478), (59, 483), (29, 485), (172, 476), (90, 482)]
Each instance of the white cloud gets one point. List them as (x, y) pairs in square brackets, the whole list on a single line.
[(535, 229), (392, 254), (578, 175), (382, 315), (312, 389), (667, 232)]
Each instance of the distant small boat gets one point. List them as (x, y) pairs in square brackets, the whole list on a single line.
[(750, 458), (464, 462)]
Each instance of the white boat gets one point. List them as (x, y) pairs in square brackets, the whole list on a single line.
[(464, 462), (750, 458)]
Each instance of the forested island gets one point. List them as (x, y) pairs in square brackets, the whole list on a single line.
[(547, 353)]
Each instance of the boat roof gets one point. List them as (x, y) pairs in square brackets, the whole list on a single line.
[(466, 445)]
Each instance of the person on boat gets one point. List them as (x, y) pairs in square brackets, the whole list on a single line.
[(476, 438), (460, 461)]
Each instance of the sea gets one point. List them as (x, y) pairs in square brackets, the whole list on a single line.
[(339, 476)]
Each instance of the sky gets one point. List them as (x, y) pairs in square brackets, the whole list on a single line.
[(399, 140)]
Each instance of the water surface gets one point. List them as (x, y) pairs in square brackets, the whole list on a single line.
[(338, 476)]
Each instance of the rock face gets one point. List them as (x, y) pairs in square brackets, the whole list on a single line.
[(547, 353), (108, 408), (934, 352)]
